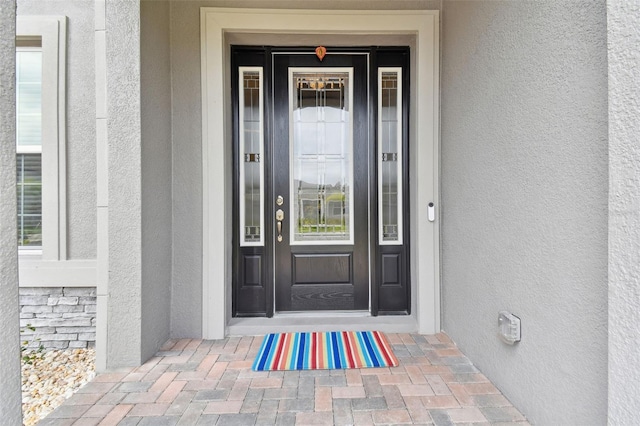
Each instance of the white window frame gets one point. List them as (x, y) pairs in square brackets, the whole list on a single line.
[(52, 32), (49, 266)]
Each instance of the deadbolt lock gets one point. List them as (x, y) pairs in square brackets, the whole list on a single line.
[(279, 200)]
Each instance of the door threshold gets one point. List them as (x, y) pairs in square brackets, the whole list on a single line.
[(321, 314), (332, 321)]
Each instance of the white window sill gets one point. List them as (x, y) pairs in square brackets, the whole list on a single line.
[(35, 272), (29, 253)]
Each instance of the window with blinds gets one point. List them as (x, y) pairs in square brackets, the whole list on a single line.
[(29, 181), (29, 146)]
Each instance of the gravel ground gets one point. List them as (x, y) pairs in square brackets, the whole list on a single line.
[(52, 377)]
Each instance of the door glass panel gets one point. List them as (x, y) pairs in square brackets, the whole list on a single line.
[(321, 160), (250, 157), (390, 155)]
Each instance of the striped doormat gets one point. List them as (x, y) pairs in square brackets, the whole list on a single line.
[(324, 350)]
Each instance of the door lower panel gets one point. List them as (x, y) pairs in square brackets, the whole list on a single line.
[(322, 282), (322, 268), (315, 297), (250, 288)]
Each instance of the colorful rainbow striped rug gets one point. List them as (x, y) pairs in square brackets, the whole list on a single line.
[(320, 351)]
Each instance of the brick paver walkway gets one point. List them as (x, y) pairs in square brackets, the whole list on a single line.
[(204, 382)]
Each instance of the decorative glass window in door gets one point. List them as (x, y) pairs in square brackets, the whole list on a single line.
[(321, 163), (251, 157), (390, 155)]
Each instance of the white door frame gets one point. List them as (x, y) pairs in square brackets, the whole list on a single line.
[(216, 132)]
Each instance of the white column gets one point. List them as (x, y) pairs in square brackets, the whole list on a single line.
[(623, 21), (10, 383)]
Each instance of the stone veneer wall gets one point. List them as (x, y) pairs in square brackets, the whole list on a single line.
[(63, 317)]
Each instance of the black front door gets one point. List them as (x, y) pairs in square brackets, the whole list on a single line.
[(320, 180)]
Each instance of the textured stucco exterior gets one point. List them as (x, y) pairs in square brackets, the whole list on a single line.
[(623, 19), (138, 178), (524, 189), (124, 310), (156, 175), (10, 383), (80, 116), (540, 194), (186, 316)]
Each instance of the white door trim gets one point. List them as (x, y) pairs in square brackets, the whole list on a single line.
[(216, 172)]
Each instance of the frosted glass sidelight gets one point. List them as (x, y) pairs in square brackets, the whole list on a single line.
[(390, 155), (251, 144), (321, 155)]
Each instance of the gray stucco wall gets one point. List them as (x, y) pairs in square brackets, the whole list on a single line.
[(124, 311), (524, 190), (155, 81), (624, 211), (10, 383), (81, 120), (186, 311)]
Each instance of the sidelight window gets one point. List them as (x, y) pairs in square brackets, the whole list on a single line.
[(390, 155), (251, 158)]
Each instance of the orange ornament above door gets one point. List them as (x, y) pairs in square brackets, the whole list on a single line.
[(321, 51)]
